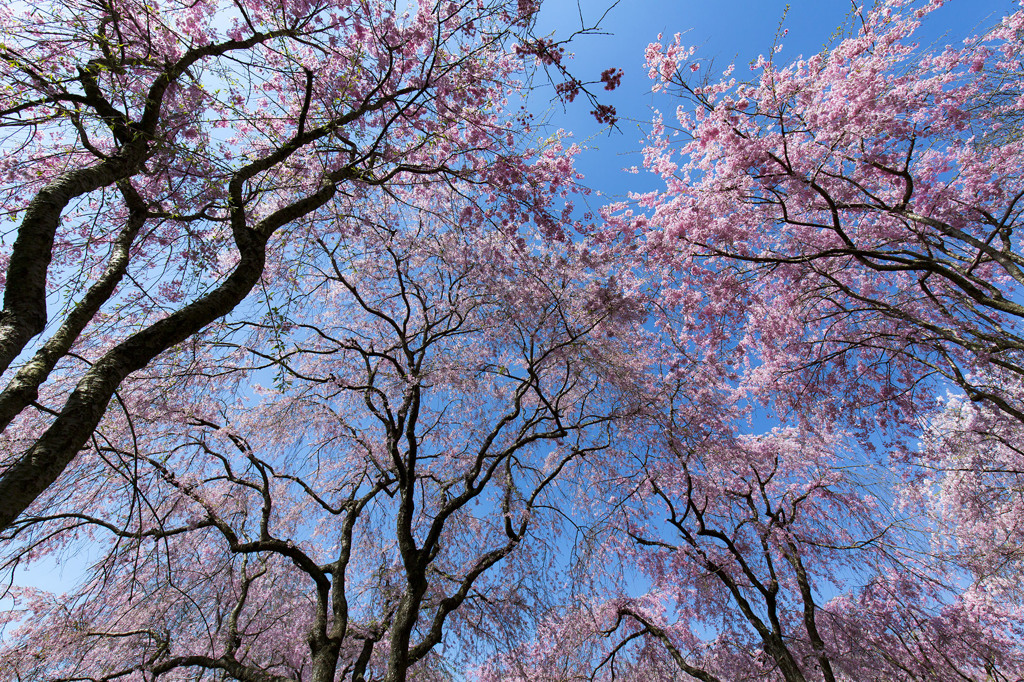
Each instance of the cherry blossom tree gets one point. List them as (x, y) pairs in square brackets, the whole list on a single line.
[(342, 390), (159, 158), (839, 236), (781, 558), (430, 396), (842, 236), (865, 201), (786, 555)]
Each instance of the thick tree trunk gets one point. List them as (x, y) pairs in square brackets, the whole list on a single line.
[(42, 463), (325, 663), (24, 312), (24, 387), (401, 630)]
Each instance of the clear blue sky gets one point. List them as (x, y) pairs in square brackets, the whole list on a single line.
[(724, 30)]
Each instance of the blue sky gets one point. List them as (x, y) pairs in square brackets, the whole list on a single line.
[(724, 30)]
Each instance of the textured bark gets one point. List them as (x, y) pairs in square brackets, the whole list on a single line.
[(401, 629), (24, 387), (24, 311), (42, 463)]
